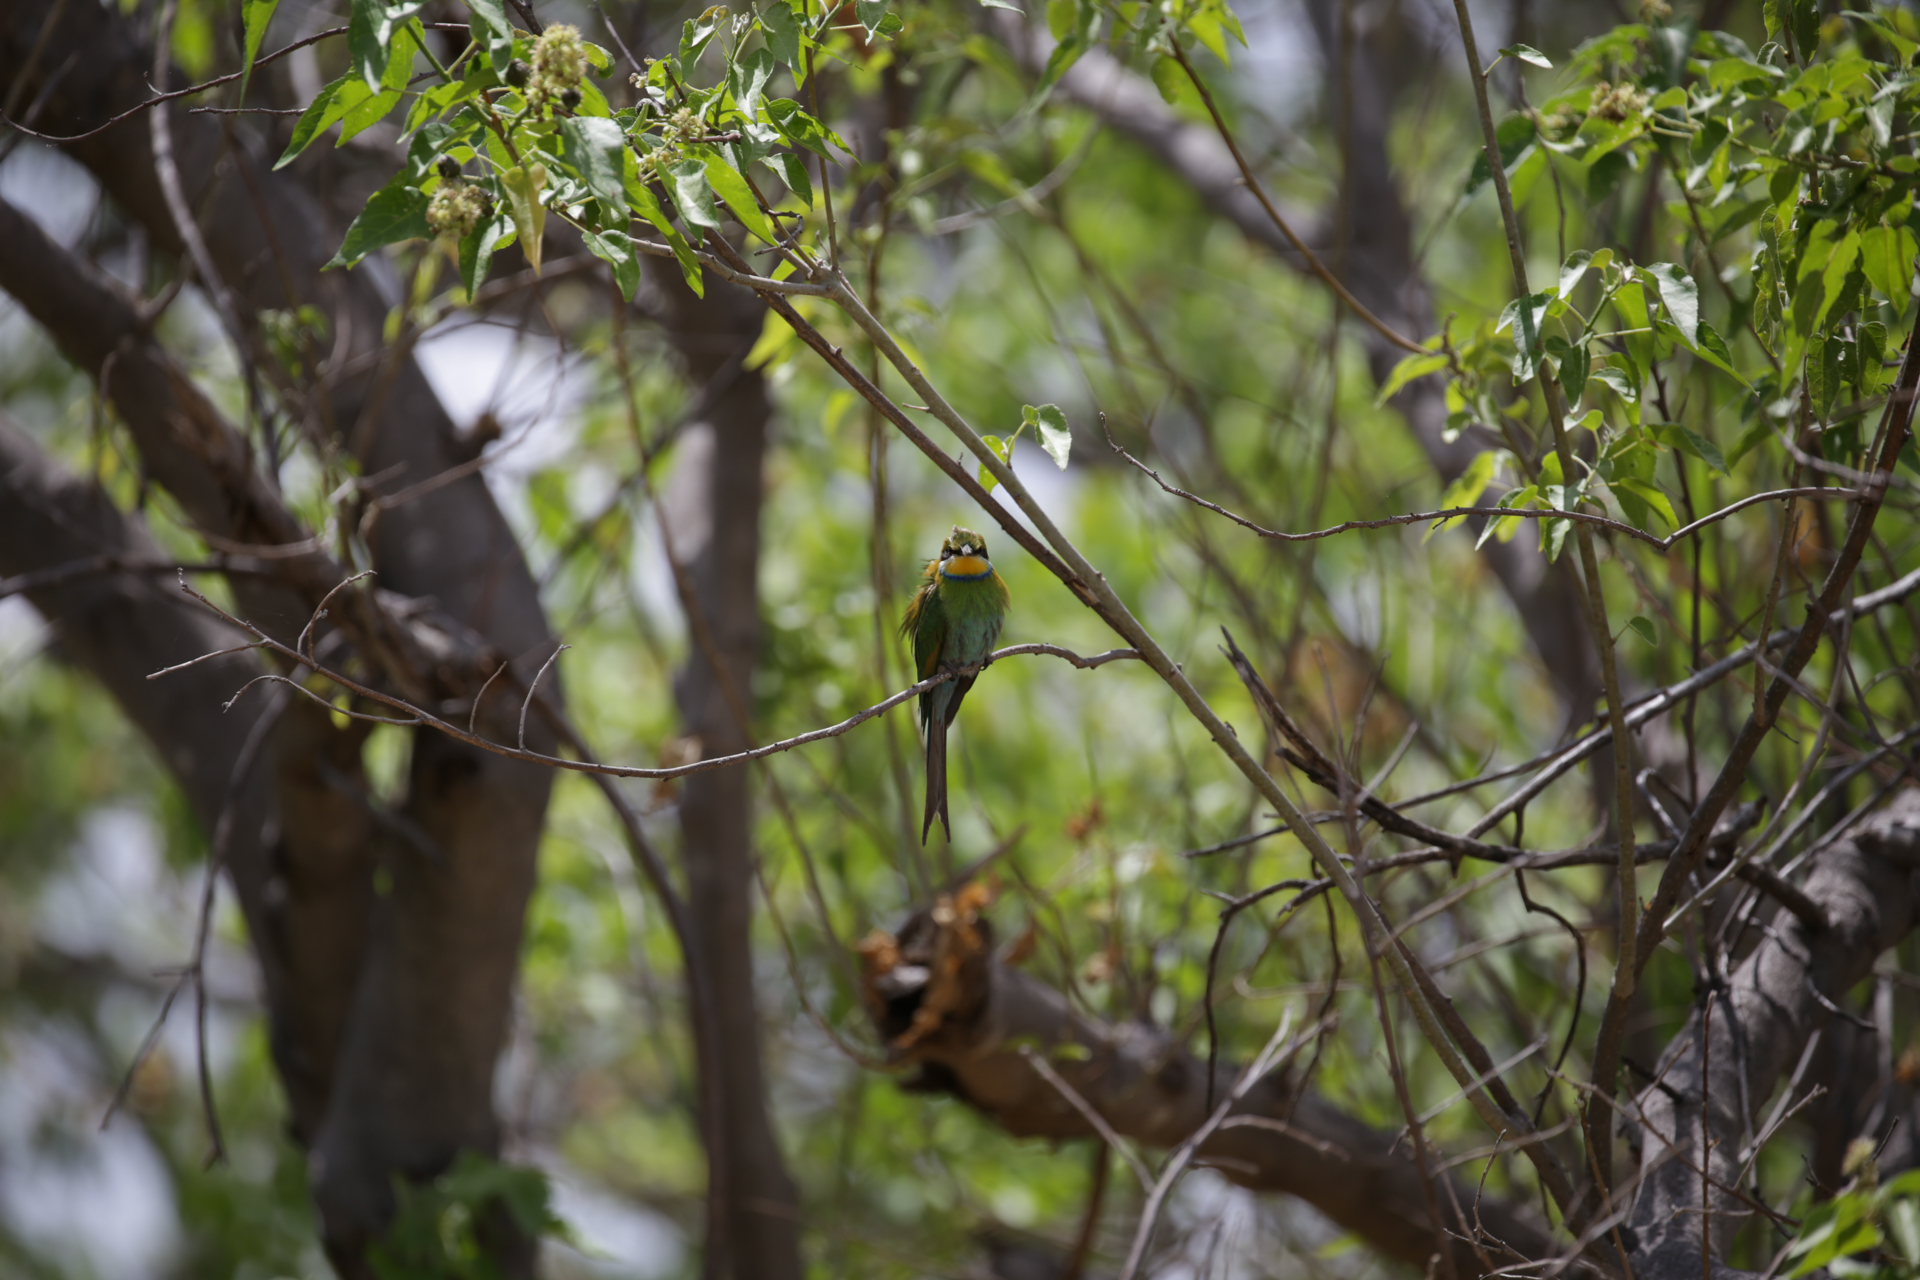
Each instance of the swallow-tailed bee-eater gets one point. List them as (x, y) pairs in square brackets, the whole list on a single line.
[(954, 620)]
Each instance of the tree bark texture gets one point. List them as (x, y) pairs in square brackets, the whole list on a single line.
[(943, 1002), (714, 506), (391, 1008)]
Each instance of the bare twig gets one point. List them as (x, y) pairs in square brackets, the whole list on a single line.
[(1318, 267), (418, 715), (1517, 513)]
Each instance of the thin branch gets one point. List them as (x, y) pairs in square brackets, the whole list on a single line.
[(188, 92), (418, 715), (1300, 246), (1045, 1071)]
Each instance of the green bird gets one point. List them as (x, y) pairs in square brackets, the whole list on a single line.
[(954, 619)]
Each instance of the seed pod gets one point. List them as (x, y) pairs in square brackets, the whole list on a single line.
[(449, 169), (518, 72)]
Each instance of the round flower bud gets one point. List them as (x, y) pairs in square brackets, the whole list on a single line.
[(456, 210), (518, 73), (570, 99), (560, 62), (449, 169)]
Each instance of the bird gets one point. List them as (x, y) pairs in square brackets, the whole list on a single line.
[(953, 620)]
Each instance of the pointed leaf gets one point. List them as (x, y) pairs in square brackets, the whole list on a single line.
[(733, 189), (1681, 297), (615, 248), (1649, 494), (1055, 437), (750, 81), (1406, 371), (1528, 54), (492, 32), (255, 17), (477, 250), (693, 194), (783, 36), (326, 110), (396, 212), (596, 149), (523, 185)]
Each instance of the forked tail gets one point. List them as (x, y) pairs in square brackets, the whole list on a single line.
[(936, 778)]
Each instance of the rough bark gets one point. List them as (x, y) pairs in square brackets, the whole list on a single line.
[(406, 1082), (943, 1002), (714, 508), (1771, 1005)]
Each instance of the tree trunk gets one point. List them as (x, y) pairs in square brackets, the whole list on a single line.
[(714, 509)]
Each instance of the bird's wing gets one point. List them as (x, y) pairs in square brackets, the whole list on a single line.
[(927, 616)]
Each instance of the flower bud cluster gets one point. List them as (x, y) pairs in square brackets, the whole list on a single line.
[(1617, 101), (456, 209), (681, 129), (559, 63)]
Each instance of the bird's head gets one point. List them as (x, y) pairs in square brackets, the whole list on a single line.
[(964, 555)]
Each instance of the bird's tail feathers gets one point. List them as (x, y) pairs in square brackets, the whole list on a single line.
[(936, 779)]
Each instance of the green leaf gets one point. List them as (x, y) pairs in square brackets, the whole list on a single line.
[(477, 250), (871, 13), (325, 111), (492, 32), (1643, 628), (1504, 527), (255, 17), (1647, 493), (1631, 302), (1575, 268), (1806, 28), (1064, 55), (366, 43), (1681, 297), (750, 76), (1888, 267), (642, 198), (1823, 371), (1713, 349), (1002, 447), (792, 169), (1528, 54), (1055, 437), (1411, 367), (523, 185), (1471, 483), (393, 84), (783, 36), (733, 189), (396, 212), (1524, 316), (801, 129), (1574, 366), (1169, 79), (615, 248), (370, 32), (693, 194), (1516, 136), (597, 149), (1689, 441)]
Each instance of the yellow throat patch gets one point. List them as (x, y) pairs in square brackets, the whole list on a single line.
[(966, 567)]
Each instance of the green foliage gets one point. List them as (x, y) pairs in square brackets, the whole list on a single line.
[(439, 1228)]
